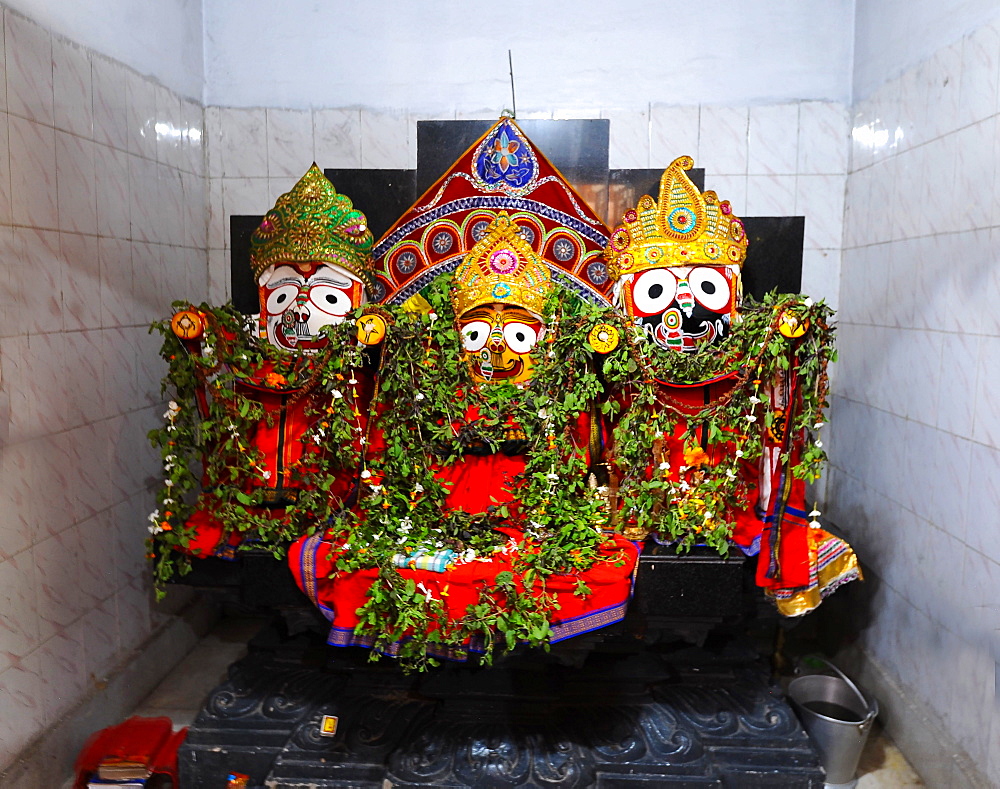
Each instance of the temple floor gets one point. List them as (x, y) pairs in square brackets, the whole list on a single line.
[(182, 693)]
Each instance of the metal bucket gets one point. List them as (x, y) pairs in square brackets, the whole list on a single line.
[(837, 717)]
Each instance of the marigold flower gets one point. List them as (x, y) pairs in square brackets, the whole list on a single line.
[(695, 457), (275, 379)]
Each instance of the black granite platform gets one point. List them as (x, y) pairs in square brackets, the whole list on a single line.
[(614, 710)]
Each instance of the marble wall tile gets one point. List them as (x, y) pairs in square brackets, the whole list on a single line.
[(289, 142), (194, 210), (144, 215), (193, 120), (117, 290), (77, 188), (218, 222), (114, 204), (823, 138), (22, 711), (83, 367), (385, 140), (861, 131), (3, 63), (81, 300), (770, 195), (337, 138), (6, 195), (886, 129), (57, 598), (212, 141), (986, 424), (28, 51), (110, 102), (129, 523), (673, 132), (152, 297), (133, 600), (242, 143), (882, 201), (729, 187), (118, 359), (72, 88), (33, 174), (983, 500), (17, 525), (820, 199), (955, 381), (219, 288), (980, 75), (942, 79), (629, 144), (970, 680), (243, 196), (100, 639), (979, 582), (722, 140), (63, 674), (97, 564), (168, 128), (18, 618), (140, 116), (773, 139), (975, 165), (167, 221), (857, 208), (821, 275), (276, 187), (40, 280)]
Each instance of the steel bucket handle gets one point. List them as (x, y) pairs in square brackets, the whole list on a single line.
[(873, 704)]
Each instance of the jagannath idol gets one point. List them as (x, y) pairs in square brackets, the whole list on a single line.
[(273, 408), (479, 529), (714, 444)]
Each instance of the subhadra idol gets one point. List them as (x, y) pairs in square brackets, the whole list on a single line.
[(479, 529), (715, 437), (272, 408)]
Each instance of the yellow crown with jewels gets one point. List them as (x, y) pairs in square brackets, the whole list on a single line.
[(313, 224), (502, 267), (683, 228)]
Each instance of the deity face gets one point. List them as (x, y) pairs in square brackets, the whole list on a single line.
[(682, 307), (299, 299), (498, 339)]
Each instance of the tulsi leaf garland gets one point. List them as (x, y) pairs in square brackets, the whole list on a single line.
[(695, 503), (430, 413), (206, 441)]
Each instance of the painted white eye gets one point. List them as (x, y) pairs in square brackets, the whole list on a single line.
[(710, 287), (331, 300), (520, 337), (653, 291), (475, 335), (281, 298)]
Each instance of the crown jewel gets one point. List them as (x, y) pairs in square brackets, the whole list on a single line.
[(502, 267), (683, 228), (312, 223)]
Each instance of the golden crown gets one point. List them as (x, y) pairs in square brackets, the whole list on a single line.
[(683, 228), (502, 267), (312, 223)]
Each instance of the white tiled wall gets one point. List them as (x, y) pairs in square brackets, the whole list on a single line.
[(769, 160), (916, 445), (102, 225)]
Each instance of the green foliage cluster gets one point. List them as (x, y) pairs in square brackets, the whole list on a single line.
[(206, 442), (696, 502), (429, 412)]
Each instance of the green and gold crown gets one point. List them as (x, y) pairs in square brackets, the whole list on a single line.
[(683, 228), (312, 223), (502, 267)]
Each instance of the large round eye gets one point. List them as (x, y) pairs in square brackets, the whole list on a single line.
[(475, 335), (330, 300), (653, 291), (710, 287), (520, 337), (281, 298)]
